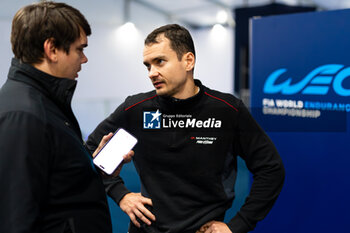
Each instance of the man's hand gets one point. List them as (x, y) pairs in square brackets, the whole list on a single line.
[(126, 158), (133, 204), (214, 227)]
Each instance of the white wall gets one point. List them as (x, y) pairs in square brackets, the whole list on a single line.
[(5, 49), (115, 68), (215, 54)]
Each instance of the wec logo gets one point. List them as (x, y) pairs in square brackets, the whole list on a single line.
[(317, 82)]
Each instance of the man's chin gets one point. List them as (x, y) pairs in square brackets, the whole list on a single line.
[(161, 92)]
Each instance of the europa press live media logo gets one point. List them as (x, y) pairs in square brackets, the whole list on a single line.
[(152, 119), (157, 120), (317, 83)]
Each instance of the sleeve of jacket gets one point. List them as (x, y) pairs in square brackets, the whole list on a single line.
[(24, 171), (114, 186), (264, 162)]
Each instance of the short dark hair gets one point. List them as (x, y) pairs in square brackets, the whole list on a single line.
[(32, 25), (180, 38)]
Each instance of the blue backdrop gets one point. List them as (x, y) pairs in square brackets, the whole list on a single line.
[(300, 94)]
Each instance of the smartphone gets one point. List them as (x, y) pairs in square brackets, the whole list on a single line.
[(111, 155)]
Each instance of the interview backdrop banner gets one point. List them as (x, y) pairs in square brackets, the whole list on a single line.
[(300, 94)]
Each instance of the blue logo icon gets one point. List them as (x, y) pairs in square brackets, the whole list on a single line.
[(317, 82), (151, 120)]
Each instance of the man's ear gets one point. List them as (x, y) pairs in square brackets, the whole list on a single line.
[(50, 50), (190, 60)]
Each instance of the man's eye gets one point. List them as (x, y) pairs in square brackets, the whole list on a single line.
[(160, 61)]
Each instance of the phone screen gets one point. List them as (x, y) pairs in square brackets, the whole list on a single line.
[(111, 155)]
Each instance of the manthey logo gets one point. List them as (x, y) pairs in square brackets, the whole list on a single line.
[(317, 82), (157, 120)]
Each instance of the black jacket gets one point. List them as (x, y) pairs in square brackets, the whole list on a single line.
[(186, 158), (47, 179)]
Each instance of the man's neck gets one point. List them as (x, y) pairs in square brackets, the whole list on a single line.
[(44, 67), (189, 90)]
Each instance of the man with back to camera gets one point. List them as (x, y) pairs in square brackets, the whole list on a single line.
[(189, 138), (48, 181)]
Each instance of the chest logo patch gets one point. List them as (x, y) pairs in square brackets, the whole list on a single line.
[(204, 140)]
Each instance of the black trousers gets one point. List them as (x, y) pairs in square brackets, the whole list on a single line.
[(143, 229), (147, 229), (154, 229)]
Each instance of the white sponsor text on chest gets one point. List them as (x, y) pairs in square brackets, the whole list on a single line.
[(186, 121)]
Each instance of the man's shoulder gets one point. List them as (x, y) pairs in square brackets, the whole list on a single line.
[(139, 99), (21, 98), (226, 98)]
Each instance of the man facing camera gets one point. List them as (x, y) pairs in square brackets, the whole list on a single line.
[(189, 139)]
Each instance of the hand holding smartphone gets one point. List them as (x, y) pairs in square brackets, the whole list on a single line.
[(111, 155)]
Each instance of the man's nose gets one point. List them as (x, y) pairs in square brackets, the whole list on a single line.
[(84, 59), (153, 72)]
